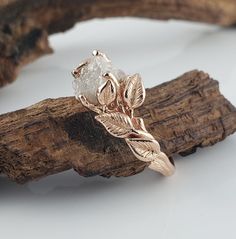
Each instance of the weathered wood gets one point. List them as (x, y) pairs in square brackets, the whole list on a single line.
[(25, 24), (58, 134)]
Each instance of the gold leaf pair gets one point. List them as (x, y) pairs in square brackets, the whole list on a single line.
[(133, 93), (120, 125)]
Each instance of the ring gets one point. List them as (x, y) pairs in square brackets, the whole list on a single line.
[(113, 95)]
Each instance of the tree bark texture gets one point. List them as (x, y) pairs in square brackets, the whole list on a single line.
[(26, 24), (59, 134)]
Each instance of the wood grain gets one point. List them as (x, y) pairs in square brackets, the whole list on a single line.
[(59, 134), (26, 24)]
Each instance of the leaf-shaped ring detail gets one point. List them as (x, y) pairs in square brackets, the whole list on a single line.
[(134, 92), (117, 97), (117, 124)]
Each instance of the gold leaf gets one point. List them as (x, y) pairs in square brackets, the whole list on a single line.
[(144, 149), (117, 124), (134, 92), (106, 93)]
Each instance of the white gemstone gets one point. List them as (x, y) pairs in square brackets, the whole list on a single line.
[(91, 77)]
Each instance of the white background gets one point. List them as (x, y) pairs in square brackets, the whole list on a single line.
[(199, 201)]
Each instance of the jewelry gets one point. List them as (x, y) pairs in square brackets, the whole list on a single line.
[(113, 95)]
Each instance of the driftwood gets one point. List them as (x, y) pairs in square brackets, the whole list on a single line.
[(59, 134), (26, 24)]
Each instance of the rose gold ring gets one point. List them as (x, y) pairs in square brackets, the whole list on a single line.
[(113, 95)]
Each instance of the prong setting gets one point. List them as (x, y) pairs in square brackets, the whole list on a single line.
[(99, 53), (77, 71)]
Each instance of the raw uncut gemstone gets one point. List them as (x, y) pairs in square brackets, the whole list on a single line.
[(91, 78)]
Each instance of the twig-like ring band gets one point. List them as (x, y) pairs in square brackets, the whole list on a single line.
[(113, 95)]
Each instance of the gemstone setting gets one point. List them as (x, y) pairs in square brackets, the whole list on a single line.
[(91, 77)]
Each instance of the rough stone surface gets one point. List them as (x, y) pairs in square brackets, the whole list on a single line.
[(91, 77)]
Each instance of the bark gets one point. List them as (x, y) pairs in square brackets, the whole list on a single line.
[(25, 24), (59, 134)]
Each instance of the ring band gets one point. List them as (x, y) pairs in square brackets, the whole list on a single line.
[(113, 95)]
